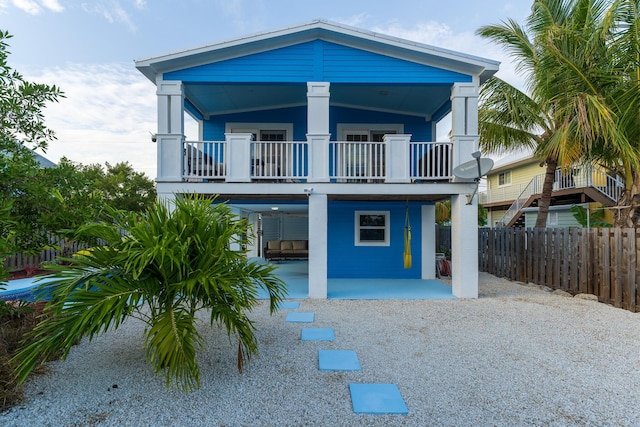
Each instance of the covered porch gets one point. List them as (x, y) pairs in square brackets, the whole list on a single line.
[(296, 275)]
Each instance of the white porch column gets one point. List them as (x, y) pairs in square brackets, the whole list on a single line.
[(397, 154), (238, 157), (170, 135), (428, 239), (318, 220), (464, 122), (318, 130), (464, 247)]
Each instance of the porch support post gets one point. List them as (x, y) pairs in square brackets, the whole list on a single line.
[(238, 157), (170, 135), (428, 240), (397, 154), (464, 247), (318, 220), (318, 131), (464, 122)]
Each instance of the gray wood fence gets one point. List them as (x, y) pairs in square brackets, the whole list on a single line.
[(602, 262)]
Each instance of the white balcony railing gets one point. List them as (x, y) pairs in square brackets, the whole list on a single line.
[(289, 161), (430, 160), (279, 160), (357, 161), (204, 160)]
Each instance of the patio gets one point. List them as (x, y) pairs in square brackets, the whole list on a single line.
[(295, 274)]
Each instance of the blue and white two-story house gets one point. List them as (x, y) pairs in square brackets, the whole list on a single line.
[(327, 133)]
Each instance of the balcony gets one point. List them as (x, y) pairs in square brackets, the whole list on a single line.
[(243, 160)]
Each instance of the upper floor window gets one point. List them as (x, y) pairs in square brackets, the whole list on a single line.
[(504, 178), (372, 228)]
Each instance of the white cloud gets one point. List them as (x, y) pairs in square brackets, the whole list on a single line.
[(29, 6), (139, 4), (33, 7), (107, 115), (112, 11), (52, 5)]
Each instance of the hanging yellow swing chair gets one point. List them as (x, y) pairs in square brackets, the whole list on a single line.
[(407, 239)]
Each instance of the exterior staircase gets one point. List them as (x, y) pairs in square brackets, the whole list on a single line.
[(587, 176)]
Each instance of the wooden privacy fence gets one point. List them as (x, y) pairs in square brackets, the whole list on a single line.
[(21, 261), (601, 261)]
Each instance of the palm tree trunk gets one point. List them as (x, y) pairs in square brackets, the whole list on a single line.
[(628, 215), (547, 189)]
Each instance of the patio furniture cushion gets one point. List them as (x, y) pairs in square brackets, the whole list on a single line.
[(299, 245), (273, 244)]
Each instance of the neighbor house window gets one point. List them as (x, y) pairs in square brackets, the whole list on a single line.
[(372, 228), (552, 218), (504, 178)]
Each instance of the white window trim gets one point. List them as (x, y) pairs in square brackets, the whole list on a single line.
[(504, 173), (343, 128), (233, 127), (357, 228), (552, 218)]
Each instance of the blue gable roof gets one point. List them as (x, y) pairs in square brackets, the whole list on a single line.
[(317, 60)]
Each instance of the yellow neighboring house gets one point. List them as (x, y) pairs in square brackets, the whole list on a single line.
[(514, 185)]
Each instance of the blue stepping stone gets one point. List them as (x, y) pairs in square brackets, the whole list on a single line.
[(317, 334), (289, 304), (377, 399), (338, 360), (300, 317)]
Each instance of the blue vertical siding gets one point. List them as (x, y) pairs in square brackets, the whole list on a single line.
[(345, 260)]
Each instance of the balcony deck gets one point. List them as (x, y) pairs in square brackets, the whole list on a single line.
[(343, 162)]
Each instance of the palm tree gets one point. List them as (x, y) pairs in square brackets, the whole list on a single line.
[(563, 124), (622, 90), (171, 263)]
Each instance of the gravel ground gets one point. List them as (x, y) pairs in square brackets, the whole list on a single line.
[(518, 355)]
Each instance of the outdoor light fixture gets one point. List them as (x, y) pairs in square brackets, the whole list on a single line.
[(274, 208)]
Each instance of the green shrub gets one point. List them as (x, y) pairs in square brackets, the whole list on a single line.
[(171, 263)]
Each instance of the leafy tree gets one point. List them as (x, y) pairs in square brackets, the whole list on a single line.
[(170, 264), (21, 105), (21, 127), (562, 121), (124, 188), (73, 200)]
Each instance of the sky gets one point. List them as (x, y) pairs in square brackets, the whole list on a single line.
[(88, 48)]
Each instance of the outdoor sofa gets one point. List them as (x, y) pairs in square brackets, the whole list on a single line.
[(286, 249)]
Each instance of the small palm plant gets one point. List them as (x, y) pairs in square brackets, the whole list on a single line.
[(162, 268)]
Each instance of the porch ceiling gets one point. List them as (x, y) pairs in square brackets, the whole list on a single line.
[(421, 100)]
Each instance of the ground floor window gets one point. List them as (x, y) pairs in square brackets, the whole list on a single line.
[(371, 228)]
